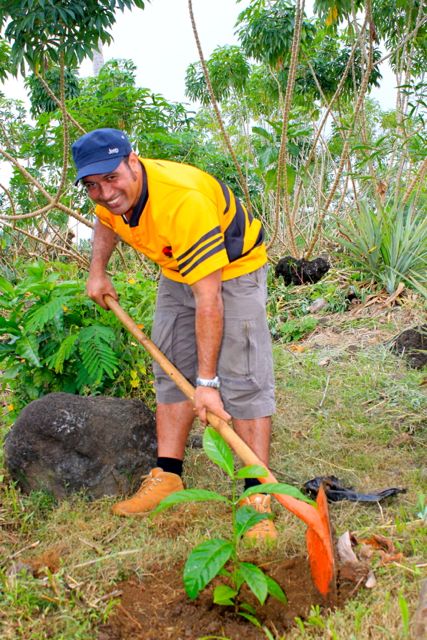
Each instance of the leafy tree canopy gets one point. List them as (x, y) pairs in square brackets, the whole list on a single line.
[(266, 30), (336, 10), (40, 29), (228, 70), (40, 99)]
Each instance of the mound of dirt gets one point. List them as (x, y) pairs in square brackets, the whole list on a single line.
[(159, 608), (412, 343), (297, 272)]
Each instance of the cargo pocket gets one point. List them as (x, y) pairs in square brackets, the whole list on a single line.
[(163, 337), (237, 365)]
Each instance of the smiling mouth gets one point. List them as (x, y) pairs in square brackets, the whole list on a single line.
[(113, 203)]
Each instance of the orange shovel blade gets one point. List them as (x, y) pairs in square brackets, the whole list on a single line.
[(318, 537), (320, 550)]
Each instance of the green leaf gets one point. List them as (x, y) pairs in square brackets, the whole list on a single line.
[(247, 517), (6, 286), (275, 590), (8, 326), (255, 579), (252, 471), (11, 373), (39, 316), (190, 495), (204, 563), (218, 450), (223, 594), (250, 618), (98, 357), (245, 606), (28, 348), (66, 348), (263, 133), (279, 488)]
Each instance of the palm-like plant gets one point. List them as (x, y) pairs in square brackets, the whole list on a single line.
[(388, 243)]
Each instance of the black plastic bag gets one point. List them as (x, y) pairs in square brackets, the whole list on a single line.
[(336, 492)]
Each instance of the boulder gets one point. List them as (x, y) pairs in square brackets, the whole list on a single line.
[(64, 443)]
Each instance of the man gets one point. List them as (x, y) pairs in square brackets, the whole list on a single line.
[(210, 316)]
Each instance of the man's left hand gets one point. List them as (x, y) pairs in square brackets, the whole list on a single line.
[(208, 399)]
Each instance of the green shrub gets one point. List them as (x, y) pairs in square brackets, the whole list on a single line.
[(54, 338)]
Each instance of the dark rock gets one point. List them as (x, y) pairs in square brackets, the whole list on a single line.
[(295, 271), (412, 343), (64, 443)]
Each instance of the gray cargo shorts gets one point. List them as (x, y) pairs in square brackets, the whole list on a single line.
[(245, 364)]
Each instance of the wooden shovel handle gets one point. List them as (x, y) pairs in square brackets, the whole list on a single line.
[(318, 536), (245, 453)]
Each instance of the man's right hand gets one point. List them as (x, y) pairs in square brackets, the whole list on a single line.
[(98, 286)]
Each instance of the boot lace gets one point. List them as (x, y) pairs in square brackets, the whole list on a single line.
[(149, 483)]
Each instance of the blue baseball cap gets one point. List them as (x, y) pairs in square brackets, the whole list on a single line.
[(99, 151)]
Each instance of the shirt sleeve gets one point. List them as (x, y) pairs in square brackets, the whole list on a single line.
[(197, 240)]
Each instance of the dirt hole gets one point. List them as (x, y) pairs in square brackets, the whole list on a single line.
[(157, 607)]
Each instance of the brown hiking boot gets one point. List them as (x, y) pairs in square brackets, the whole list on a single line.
[(156, 486), (264, 530)]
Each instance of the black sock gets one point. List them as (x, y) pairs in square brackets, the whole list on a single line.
[(170, 465), (251, 482)]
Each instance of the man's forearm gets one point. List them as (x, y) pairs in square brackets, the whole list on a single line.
[(103, 245), (209, 323), (209, 326)]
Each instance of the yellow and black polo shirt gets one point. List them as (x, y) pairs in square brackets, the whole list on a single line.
[(190, 224)]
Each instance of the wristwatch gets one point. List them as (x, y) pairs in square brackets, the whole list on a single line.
[(213, 383)]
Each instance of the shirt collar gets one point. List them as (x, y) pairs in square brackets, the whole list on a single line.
[(142, 201)]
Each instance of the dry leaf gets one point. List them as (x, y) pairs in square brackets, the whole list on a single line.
[(297, 348), (371, 580), (345, 549)]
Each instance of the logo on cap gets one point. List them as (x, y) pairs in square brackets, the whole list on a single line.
[(115, 150)]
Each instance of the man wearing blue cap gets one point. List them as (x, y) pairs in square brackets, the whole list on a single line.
[(210, 318)]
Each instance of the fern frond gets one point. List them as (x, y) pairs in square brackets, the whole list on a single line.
[(38, 317), (65, 349), (98, 357), (83, 379)]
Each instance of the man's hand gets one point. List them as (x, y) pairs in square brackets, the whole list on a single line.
[(98, 286), (208, 399)]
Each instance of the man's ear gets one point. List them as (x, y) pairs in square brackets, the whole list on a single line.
[(133, 160)]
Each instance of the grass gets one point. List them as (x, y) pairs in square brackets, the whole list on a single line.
[(357, 413)]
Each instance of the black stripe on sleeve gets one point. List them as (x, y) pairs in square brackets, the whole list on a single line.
[(226, 194), (207, 255), (207, 235), (235, 233), (182, 265), (258, 241)]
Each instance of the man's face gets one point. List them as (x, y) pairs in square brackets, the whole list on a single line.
[(119, 190)]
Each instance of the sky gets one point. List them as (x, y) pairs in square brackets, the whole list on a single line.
[(160, 41)]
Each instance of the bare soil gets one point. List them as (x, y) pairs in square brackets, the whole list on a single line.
[(158, 607)]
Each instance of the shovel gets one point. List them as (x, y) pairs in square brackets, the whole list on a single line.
[(318, 534)]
